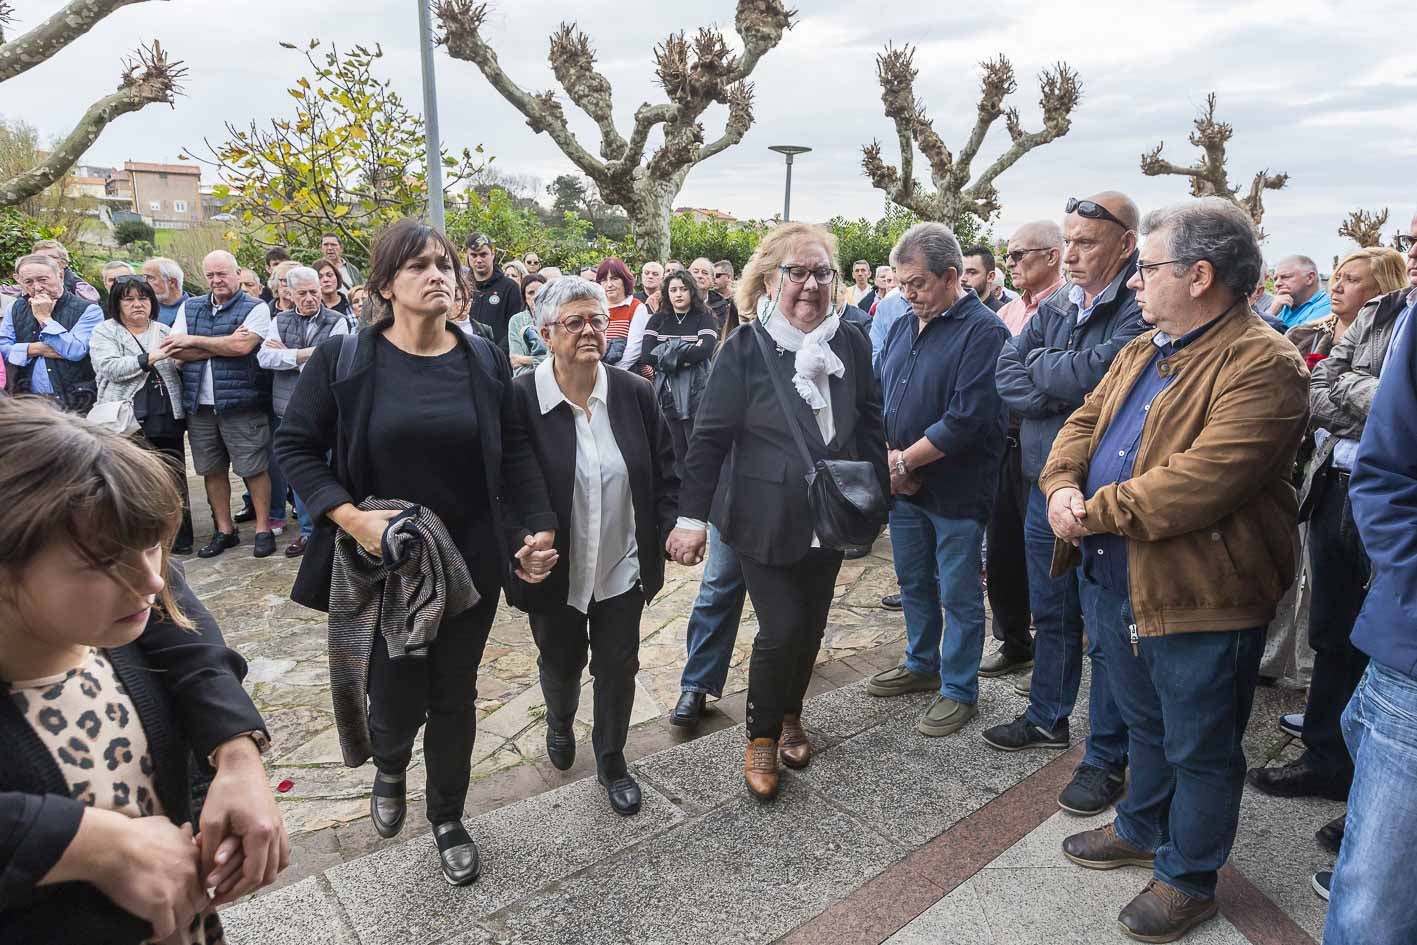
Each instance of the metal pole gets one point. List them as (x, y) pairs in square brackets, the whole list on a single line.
[(787, 194), (430, 117)]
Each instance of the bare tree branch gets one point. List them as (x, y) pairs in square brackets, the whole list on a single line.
[(694, 72), (147, 78), (955, 196), (6, 15), (28, 50), (1208, 176), (1364, 228)]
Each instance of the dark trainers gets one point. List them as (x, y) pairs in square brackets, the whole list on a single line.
[(1292, 724), (892, 602), (1297, 779), (265, 545), (1321, 882), (1102, 849), (1021, 733), (1330, 835), (1162, 913), (1091, 791), (1003, 661), (219, 543), (899, 680)]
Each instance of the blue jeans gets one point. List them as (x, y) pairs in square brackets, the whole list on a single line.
[(1186, 699), (713, 623), (278, 483), (937, 562), (1372, 901), (1057, 649)]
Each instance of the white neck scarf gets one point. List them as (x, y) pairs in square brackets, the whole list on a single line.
[(815, 363)]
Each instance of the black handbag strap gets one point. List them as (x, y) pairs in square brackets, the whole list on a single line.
[(760, 333), (345, 363)]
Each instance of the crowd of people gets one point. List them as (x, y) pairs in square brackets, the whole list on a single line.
[(1196, 473)]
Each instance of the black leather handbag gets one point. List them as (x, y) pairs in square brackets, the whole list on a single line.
[(848, 508)]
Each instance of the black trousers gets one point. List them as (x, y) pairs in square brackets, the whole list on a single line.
[(441, 690), (1007, 562), (174, 449), (1340, 570), (679, 433), (791, 602), (610, 632)]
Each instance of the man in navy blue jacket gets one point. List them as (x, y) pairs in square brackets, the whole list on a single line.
[(945, 428), (1371, 893)]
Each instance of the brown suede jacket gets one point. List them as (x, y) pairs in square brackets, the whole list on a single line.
[(1210, 510)]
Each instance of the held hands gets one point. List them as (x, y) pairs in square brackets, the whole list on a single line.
[(150, 867), (1067, 514), (243, 844), (686, 545), (537, 557)]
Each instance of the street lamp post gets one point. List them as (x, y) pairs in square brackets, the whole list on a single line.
[(430, 117), (788, 151)]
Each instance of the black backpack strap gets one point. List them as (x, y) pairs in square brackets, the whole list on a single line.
[(346, 356), (761, 334)]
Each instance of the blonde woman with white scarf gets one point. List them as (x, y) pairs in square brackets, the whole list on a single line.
[(763, 513)]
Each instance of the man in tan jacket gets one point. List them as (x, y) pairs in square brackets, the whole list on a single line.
[(1173, 480)]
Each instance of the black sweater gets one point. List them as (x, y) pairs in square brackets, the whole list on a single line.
[(186, 690)]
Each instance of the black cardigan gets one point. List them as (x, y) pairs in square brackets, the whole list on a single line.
[(644, 442), (186, 690), (325, 414), (763, 513)]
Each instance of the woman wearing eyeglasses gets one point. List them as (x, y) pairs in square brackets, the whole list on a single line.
[(677, 344), (824, 371), (609, 467)]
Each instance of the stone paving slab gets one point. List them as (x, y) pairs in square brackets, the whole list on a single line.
[(1276, 850), (397, 896), (305, 913), (744, 872)]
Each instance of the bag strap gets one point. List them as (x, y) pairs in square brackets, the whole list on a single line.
[(346, 356), (760, 334)]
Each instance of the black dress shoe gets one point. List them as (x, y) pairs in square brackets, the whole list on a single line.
[(687, 710), (247, 514), (1297, 779), (561, 748), (892, 602), (457, 853), (1330, 835), (219, 543), (624, 794), (388, 806), (183, 549), (265, 545), (857, 551)]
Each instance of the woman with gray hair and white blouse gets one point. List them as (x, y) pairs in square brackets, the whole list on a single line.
[(616, 503)]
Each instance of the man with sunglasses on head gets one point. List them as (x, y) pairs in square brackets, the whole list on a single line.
[(1171, 487), (1044, 374)]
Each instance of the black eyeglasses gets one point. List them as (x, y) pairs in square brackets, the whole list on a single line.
[(1092, 210), (1143, 267), (130, 280), (1405, 243), (823, 275), (575, 324), (1015, 256)]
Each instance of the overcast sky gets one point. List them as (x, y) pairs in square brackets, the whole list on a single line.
[(1325, 93)]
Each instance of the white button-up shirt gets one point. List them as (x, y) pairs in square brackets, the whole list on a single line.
[(257, 322), (605, 559)]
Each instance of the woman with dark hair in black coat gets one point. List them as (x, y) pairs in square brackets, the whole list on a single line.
[(423, 416), (678, 344)]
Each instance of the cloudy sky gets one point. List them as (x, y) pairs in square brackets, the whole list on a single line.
[(1327, 93)]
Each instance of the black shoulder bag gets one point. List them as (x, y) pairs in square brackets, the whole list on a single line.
[(844, 495)]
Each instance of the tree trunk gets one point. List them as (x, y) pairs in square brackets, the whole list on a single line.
[(649, 217)]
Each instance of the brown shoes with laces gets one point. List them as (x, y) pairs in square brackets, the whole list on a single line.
[(1102, 849), (760, 768), (1161, 913), (796, 750)]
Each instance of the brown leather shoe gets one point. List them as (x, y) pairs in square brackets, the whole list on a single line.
[(760, 768), (1161, 913), (796, 750), (1102, 849)]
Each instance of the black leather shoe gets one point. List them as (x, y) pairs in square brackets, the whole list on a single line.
[(388, 806), (1297, 779), (265, 545), (892, 602), (183, 549), (247, 514), (561, 748), (219, 543), (1330, 835), (624, 794), (457, 853), (857, 551), (688, 710)]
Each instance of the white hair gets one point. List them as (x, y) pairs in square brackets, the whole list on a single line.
[(301, 274), (39, 259), (563, 290), (116, 264), (224, 256), (169, 269)]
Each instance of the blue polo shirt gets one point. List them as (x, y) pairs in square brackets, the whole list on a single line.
[(1104, 556)]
